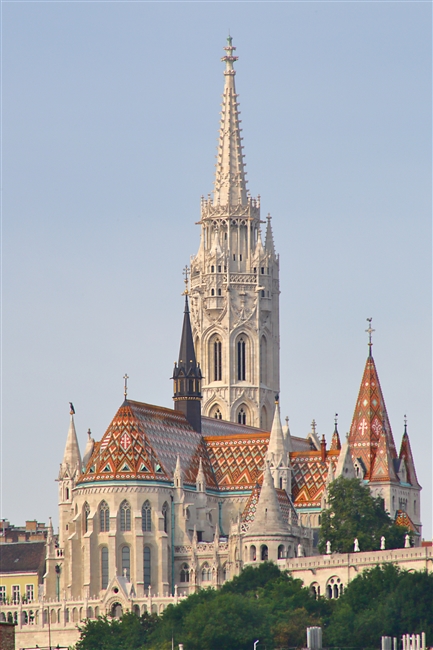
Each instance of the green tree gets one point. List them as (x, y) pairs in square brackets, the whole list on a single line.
[(352, 512), (127, 633), (383, 601)]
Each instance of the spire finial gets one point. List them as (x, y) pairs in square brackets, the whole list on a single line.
[(229, 58), (185, 274), (125, 388), (71, 408), (313, 426), (405, 423), (369, 331), (336, 420)]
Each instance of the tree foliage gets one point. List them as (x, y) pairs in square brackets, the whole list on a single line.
[(352, 512), (267, 604)]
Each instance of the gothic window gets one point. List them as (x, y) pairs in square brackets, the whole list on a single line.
[(264, 418), (217, 360), (212, 269), (104, 567), (241, 359), (253, 553), (206, 573), (67, 494), (212, 292), (184, 573), (165, 516), (280, 552), (125, 516), (219, 292), (219, 268), (242, 415), (226, 572), (146, 566), (215, 412), (263, 293), (240, 258), (146, 517), (263, 270), (104, 517), (126, 561), (86, 513), (264, 552)]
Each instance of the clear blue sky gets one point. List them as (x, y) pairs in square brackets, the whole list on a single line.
[(110, 122)]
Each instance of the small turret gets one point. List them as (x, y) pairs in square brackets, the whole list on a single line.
[(277, 455), (268, 519), (269, 241), (335, 442), (200, 481), (177, 476), (187, 376), (71, 463), (89, 449)]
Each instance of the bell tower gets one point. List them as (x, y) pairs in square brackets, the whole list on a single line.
[(235, 285)]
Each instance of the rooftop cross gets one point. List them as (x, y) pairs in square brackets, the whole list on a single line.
[(405, 423), (185, 273), (125, 389), (336, 419), (369, 331), (313, 426)]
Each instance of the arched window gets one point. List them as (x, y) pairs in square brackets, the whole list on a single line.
[(226, 572), (146, 566), (104, 517), (241, 359), (280, 552), (125, 516), (126, 561), (242, 416), (206, 573), (86, 513), (165, 516), (217, 359), (215, 412), (212, 291), (219, 292), (146, 517), (104, 567), (264, 552), (263, 360), (253, 554), (264, 418), (329, 591), (184, 573), (336, 592)]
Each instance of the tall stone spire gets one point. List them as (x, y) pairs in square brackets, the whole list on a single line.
[(230, 183), (235, 286), (187, 376), (71, 463), (276, 449)]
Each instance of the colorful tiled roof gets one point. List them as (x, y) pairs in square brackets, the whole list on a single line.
[(383, 467), (403, 519), (369, 420), (143, 442), (237, 461), (406, 455), (251, 505), (309, 476)]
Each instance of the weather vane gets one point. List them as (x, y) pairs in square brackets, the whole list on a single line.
[(125, 389), (186, 275), (369, 331)]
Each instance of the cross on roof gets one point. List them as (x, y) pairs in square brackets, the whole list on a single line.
[(369, 331), (185, 273), (125, 390)]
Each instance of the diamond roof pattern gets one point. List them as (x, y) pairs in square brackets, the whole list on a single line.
[(406, 455), (403, 519), (369, 420), (143, 442), (237, 461), (309, 476), (249, 511)]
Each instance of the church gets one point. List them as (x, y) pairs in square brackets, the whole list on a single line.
[(173, 500)]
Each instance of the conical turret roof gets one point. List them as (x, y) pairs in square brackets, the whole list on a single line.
[(71, 456), (187, 364), (370, 419), (383, 466), (230, 185), (406, 455), (268, 519), (276, 448)]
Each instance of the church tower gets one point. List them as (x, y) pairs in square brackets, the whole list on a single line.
[(235, 286)]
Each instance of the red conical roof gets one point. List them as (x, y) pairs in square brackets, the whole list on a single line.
[(406, 455), (369, 420), (383, 467)]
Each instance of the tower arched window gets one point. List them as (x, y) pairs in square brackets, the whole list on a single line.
[(86, 513), (215, 412), (206, 573), (125, 516), (146, 566), (104, 518), (241, 349), (146, 517), (165, 516), (217, 360), (126, 562), (184, 573), (242, 415), (212, 292), (104, 567), (263, 360)]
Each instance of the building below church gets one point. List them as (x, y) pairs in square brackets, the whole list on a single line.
[(173, 500)]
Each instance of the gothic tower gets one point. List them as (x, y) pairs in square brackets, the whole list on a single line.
[(235, 286)]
